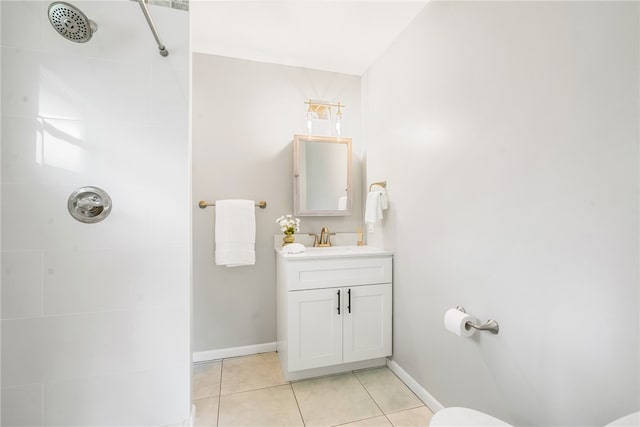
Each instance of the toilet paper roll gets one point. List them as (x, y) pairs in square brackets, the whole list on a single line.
[(455, 321)]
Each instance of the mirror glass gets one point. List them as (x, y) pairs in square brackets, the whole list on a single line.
[(322, 176)]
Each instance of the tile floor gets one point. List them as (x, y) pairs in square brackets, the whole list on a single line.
[(251, 391)]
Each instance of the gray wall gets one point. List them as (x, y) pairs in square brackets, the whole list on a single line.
[(508, 133), (244, 117)]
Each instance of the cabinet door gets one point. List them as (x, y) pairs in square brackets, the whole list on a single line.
[(367, 322), (315, 328)]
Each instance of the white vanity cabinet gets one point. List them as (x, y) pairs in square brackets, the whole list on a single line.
[(334, 310)]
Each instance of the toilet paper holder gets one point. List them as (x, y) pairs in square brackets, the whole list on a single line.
[(490, 325)]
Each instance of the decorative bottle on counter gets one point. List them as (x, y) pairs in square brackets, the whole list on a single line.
[(288, 238)]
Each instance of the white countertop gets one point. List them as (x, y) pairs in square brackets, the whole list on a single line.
[(336, 252)]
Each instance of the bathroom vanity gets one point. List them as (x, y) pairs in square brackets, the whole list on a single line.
[(333, 310)]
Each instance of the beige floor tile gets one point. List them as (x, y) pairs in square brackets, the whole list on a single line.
[(265, 407), (206, 412), (333, 400), (206, 380), (417, 417), (251, 373), (370, 422), (387, 390)]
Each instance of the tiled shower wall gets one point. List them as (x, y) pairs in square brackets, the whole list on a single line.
[(95, 318)]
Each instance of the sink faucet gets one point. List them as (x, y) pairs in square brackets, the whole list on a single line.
[(324, 239), (316, 239)]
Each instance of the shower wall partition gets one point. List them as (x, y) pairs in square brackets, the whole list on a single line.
[(95, 317)]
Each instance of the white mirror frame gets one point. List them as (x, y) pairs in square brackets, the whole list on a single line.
[(297, 140)]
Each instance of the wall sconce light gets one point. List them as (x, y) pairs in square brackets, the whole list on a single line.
[(318, 118)]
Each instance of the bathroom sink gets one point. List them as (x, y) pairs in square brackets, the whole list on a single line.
[(338, 251), (334, 248)]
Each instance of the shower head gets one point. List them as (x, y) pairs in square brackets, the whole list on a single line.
[(70, 22)]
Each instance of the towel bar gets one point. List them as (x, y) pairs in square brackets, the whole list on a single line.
[(203, 204)]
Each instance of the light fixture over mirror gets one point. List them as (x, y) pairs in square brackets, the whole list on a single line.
[(318, 118), (321, 176)]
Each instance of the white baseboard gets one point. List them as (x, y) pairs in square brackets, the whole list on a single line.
[(223, 353), (422, 394)]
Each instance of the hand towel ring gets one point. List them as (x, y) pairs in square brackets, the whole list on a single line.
[(382, 184)]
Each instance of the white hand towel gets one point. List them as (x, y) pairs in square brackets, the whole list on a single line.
[(383, 200), (376, 203), (373, 208), (235, 230), (293, 248)]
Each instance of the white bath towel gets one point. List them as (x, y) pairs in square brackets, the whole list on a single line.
[(376, 203), (235, 232)]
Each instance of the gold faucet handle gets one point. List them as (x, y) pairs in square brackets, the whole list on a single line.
[(325, 240), (316, 239)]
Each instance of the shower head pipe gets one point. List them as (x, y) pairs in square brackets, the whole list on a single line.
[(143, 6)]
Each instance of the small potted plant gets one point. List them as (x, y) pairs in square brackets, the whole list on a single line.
[(288, 225)]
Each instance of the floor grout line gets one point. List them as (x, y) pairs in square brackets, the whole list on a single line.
[(372, 398), (297, 403), (220, 393), (357, 421), (254, 389)]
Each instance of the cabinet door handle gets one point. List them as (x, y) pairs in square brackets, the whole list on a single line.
[(349, 301), (338, 302)]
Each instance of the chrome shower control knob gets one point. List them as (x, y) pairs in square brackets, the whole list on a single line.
[(89, 204)]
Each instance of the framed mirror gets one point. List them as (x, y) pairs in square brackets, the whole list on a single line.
[(321, 176)]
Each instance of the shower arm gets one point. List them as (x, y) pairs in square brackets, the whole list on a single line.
[(143, 6)]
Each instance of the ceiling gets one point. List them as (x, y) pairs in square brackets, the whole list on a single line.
[(339, 36)]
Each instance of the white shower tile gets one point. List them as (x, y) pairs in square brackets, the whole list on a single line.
[(155, 157), (103, 280), (22, 351), (64, 86), (23, 219), (21, 149), (167, 104), (172, 72), (46, 151), (59, 348), (21, 284), (99, 344), (65, 154), (172, 339), (22, 406), (123, 92), (93, 344), (22, 23), (21, 68), (136, 399), (174, 214)]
